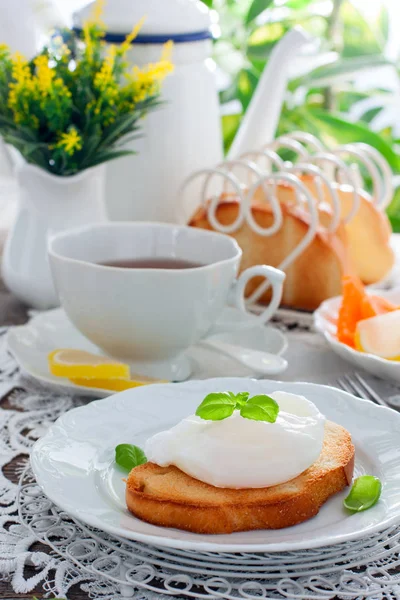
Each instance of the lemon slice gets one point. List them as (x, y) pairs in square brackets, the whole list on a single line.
[(380, 335), (78, 363), (114, 385)]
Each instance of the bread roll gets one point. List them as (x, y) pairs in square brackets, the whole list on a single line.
[(314, 276), (368, 233)]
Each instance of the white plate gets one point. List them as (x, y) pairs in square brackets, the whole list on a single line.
[(31, 343), (325, 319), (73, 464)]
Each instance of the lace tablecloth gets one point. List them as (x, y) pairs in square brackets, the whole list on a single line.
[(28, 409)]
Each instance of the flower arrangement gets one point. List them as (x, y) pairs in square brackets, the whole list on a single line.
[(70, 107)]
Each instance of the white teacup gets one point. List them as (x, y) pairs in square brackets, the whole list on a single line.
[(148, 317)]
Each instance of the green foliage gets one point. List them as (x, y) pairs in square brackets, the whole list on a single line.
[(320, 99), (256, 8), (364, 494), (218, 406), (128, 456), (343, 132), (393, 211), (249, 31)]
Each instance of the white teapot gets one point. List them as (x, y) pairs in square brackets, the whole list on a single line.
[(185, 134)]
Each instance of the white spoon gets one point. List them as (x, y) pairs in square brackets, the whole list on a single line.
[(264, 363)]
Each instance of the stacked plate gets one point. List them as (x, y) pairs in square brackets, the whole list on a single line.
[(75, 503)]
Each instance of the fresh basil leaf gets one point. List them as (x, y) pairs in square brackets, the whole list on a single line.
[(217, 406), (241, 399), (128, 456), (260, 408), (364, 493)]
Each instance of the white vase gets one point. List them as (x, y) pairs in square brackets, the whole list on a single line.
[(47, 204)]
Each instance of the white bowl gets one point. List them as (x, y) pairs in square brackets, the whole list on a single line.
[(325, 319)]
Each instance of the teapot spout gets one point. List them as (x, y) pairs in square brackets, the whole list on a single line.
[(259, 124)]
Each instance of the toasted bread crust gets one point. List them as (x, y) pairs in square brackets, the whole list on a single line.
[(168, 497)]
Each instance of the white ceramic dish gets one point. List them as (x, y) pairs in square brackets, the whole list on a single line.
[(73, 463), (31, 343), (325, 318)]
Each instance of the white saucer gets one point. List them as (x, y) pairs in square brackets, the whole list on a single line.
[(74, 464), (31, 343)]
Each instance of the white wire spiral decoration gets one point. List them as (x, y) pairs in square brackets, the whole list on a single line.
[(359, 569), (350, 167)]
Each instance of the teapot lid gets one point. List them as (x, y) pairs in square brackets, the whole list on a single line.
[(179, 20)]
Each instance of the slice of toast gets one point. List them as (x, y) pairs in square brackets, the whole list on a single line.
[(168, 497)]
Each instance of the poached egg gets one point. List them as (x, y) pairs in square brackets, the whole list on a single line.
[(243, 453)]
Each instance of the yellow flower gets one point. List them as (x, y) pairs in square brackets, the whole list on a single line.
[(22, 91), (166, 53), (123, 49), (88, 41), (21, 71), (44, 74), (70, 142), (97, 12), (61, 87), (105, 76), (146, 82), (4, 51)]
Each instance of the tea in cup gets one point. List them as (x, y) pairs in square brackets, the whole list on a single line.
[(145, 292)]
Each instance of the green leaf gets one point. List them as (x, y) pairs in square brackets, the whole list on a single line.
[(217, 406), (395, 223), (208, 3), (260, 408), (358, 33), (365, 493), (339, 69), (102, 157), (230, 125), (263, 39), (241, 398), (383, 23), (256, 8), (393, 211), (337, 130), (128, 456), (298, 4), (123, 125), (247, 83)]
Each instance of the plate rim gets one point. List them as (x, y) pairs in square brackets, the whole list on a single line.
[(204, 546)]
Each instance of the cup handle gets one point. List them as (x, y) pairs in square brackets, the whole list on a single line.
[(275, 277), (237, 298)]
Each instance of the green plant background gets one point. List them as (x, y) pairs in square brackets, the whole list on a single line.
[(246, 33)]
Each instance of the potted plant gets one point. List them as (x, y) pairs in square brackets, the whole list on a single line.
[(64, 114)]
